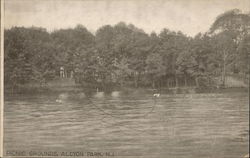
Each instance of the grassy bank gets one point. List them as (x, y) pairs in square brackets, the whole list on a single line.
[(68, 85), (57, 85)]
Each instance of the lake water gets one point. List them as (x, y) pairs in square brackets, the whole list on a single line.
[(212, 125)]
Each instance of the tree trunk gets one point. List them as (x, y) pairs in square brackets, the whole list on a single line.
[(66, 74), (161, 82), (12, 89), (185, 78), (196, 82), (176, 82), (138, 78), (135, 81), (121, 83), (224, 69)]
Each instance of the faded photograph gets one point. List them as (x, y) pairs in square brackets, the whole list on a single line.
[(126, 78)]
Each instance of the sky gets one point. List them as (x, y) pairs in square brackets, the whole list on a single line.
[(188, 16)]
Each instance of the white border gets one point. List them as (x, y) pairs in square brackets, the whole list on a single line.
[(2, 78)]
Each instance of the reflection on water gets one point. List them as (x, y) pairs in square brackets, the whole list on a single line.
[(177, 126)]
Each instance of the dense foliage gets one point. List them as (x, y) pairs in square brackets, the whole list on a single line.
[(125, 55)]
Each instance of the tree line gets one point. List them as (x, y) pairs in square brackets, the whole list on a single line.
[(124, 55)]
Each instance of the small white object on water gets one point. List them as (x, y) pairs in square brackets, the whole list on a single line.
[(63, 96), (58, 100), (99, 94), (156, 95), (115, 94)]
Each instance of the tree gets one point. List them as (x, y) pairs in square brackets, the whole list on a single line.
[(24, 48), (225, 48), (229, 29), (155, 68), (172, 44), (70, 48), (205, 60), (243, 58)]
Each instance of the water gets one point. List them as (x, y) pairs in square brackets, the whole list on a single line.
[(176, 126)]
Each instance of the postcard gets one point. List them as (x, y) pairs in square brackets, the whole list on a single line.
[(125, 78)]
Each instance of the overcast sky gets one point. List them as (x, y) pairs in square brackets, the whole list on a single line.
[(188, 16)]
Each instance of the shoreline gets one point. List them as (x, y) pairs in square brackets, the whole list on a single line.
[(78, 89)]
